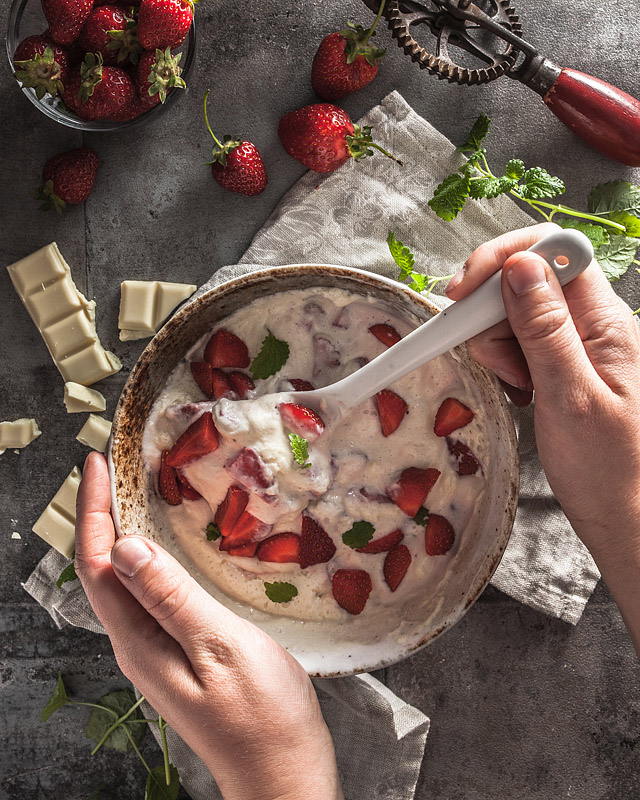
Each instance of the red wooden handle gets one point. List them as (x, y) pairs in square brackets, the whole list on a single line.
[(607, 118)]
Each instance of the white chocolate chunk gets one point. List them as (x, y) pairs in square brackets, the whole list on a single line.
[(95, 433), (63, 315), (77, 398), (16, 535), (57, 524), (18, 434), (144, 306)]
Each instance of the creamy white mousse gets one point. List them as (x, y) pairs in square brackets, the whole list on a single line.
[(352, 463)]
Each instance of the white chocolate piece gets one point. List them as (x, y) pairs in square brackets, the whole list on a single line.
[(57, 524), (63, 315), (144, 306), (18, 434), (95, 433), (78, 398)]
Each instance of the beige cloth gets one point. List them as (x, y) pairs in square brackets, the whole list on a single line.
[(343, 218)]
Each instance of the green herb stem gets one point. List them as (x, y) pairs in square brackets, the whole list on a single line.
[(93, 705), (119, 721), (162, 725), (372, 29)]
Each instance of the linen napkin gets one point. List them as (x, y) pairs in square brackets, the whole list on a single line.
[(343, 218)]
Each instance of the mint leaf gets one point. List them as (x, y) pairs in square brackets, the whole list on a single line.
[(213, 532), (359, 535), (514, 168), (477, 134), (300, 448), (537, 183), (400, 254), (422, 516), (615, 196), (631, 223), (157, 789), (57, 700), (272, 357), (280, 591), (491, 187), (616, 256), (595, 233), (101, 720), (67, 575), (419, 282), (450, 196)]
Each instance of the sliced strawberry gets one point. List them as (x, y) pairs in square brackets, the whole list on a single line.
[(301, 420), (283, 548), (466, 462), (249, 470), (316, 546), (225, 349), (382, 544), (222, 385), (325, 354), (438, 536), (451, 415), (246, 550), (230, 509), (385, 334), (168, 482), (200, 438), (202, 373), (396, 564), (186, 489), (247, 529), (391, 410), (242, 384), (301, 386), (351, 589), (412, 487)]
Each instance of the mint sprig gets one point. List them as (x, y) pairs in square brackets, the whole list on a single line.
[(359, 535), (272, 357), (213, 532), (612, 222), (280, 591), (405, 260), (67, 575), (300, 449)]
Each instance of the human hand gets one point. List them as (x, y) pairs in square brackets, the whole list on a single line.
[(581, 353), (238, 699)]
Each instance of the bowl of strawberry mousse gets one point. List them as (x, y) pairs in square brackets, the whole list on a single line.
[(352, 541)]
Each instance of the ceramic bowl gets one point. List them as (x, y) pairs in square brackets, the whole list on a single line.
[(27, 19), (324, 648)]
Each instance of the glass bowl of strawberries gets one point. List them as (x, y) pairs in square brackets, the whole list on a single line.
[(101, 66)]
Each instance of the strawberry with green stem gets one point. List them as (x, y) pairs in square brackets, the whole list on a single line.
[(156, 75), (236, 165), (68, 179), (42, 65), (345, 61), (94, 91), (111, 31)]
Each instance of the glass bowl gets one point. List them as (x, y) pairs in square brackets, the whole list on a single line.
[(26, 18)]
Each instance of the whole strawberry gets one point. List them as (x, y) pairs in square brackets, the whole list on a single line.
[(164, 23), (68, 178), (157, 73), (66, 18), (322, 137), (41, 65), (345, 61), (237, 164), (112, 33), (97, 92)]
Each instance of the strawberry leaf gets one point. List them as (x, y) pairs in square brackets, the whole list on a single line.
[(359, 535), (272, 357), (280, 591)]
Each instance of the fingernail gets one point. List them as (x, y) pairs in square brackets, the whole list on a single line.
[(129, 555), (457, 278), (526, 274)]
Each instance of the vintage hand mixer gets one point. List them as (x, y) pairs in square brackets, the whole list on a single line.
[(488, 32)]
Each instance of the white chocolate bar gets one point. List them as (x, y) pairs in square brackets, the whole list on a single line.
[(57, 524), (95, 433), (63, 315), (78, 398), (144, 306), (18, 434)]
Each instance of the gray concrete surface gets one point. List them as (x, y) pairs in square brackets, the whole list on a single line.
[(523, 707)]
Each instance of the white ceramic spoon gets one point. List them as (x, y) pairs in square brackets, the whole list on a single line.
[(568, 252)]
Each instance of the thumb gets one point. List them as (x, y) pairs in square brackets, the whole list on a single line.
[(541, 320)]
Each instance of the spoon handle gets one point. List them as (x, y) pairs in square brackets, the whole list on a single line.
[(568, 253)]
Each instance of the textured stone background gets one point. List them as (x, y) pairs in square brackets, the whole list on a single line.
[(523, 707)]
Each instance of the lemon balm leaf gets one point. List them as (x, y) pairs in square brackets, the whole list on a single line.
[(57, 700), (359, 535), (272, 357), (280, 591), (300, 449)]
